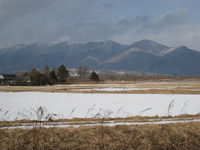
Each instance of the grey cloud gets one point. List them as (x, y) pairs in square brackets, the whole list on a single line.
[(19, 8), (92, 29), (91, 32), (80, 20), (172, 28), (10, 9), (177, 17), (141, 19), (73, 8), (138, 20), (125, 21), (109, 5), (27, 21)]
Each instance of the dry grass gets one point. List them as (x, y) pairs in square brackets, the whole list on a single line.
[(178, 87), (28, 123), (177, 136)]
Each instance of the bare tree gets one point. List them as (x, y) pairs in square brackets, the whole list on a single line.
[(46, 70), (82, 71)]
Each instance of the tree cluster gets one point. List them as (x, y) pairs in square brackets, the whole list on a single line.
[(56, 75), (46, 77)]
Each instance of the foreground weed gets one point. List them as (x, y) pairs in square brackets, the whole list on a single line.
[(179, 136), (170, 108)]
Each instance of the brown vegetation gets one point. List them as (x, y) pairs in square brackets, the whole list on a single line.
[(127, 87), (177, 136)]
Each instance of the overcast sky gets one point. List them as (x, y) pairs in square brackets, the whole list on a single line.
[(170, 22)]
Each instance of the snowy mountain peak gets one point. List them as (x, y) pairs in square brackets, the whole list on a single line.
[(148, 44), (39, 44), (19, 46), (150, 47)]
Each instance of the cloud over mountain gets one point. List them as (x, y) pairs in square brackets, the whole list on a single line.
[(28, 21)]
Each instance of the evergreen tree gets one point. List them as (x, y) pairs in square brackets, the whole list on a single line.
[(43, 80), (62, 73), (53, 77), (94, 76)]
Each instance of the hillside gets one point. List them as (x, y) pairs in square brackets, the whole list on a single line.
[(181, 61)]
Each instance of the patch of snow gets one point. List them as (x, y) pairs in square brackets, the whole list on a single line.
[(109, 123), (89, 105), (71, 105)]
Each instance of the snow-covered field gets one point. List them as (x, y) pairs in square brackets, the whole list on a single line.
[(17, 105)]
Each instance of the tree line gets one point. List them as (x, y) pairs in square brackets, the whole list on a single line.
[(56, 75)]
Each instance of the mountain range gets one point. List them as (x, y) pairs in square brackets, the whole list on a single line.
[(142, 56)]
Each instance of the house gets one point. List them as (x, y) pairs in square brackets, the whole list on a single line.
[(7, 77)]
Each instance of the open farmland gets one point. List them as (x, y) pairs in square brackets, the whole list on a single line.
[(142, 115), (101, 100), (170, 87)]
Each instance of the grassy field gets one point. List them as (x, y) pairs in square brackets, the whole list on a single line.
[(170, 87)]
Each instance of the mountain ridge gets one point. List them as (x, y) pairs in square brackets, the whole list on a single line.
[(144, 56)]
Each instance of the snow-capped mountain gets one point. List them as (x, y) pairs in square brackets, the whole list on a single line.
[(142, 56), (150, 47)]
